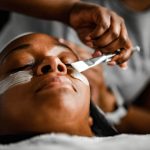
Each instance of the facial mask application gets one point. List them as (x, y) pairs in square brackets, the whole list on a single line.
[(22, 77), (14, 79), (77, 75)]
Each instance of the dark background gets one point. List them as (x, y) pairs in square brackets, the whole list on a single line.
[(4, 17)]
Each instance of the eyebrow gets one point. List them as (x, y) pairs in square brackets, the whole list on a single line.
[(22, 46)]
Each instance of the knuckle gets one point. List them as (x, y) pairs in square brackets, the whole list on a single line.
[(122, 20), (105, 25), (104, 51), (120, 61), (128, 54), (115, 34), (108, 50), (124, 56), (112, 13)]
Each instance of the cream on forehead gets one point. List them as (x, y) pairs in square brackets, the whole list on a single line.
[(14, 79), (58, 50)]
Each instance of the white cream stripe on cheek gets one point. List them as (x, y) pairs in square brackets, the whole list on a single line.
[(14, 79), (80, 76)]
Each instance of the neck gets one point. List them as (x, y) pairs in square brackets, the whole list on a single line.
[(7, 137), (80, 129), (13, 138), (137, 5)]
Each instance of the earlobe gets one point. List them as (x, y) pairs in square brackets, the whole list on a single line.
[(90, 121)]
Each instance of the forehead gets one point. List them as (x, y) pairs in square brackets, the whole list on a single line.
[(35, 43)]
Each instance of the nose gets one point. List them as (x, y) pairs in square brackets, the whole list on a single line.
[(51, 64)]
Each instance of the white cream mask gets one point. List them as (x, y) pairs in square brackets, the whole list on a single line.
[(14, 79), (77, 75), (22, 77)]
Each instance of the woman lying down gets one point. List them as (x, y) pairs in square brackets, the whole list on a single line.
[(40, 93)]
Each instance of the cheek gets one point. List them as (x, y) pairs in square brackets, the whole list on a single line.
[(83, 87), (75, 74), (83, 94), (14, 79), (18, 108), (16, 99)]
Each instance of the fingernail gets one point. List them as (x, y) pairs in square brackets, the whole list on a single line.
[(90, 44), (112, 63), (88, 38), (124, 68), (61, 40), (96, 53)]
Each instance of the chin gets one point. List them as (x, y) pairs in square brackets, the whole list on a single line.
[(51, 90), (59, 95)]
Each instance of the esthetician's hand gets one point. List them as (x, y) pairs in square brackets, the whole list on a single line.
[(101, 29)]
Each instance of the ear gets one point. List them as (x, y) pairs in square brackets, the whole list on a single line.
[(90, 121)]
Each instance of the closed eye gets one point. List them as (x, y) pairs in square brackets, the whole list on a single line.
[(68, 65), (25, 67)]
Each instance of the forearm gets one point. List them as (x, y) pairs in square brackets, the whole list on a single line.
[(136, 121), (44, 9)]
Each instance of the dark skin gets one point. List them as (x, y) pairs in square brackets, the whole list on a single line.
[(52, 101), (98, 27)]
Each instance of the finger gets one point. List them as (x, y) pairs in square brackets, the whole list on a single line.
[(122, 57), (111, 63), (96, 53), (124, 65), (126, 51), (83, 33), (102, 24), (111, 48), (111, 35), (123, 42)]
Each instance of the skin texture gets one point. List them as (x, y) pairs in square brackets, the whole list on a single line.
[(52, 101), (98, 27)]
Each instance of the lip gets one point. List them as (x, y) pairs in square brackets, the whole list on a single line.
[(52, 82)]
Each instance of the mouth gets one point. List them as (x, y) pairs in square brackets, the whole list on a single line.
[(50, 83)]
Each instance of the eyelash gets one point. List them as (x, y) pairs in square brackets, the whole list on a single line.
[(30, 66), (25, 67)]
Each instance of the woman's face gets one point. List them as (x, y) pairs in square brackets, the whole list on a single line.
[(52, 100)]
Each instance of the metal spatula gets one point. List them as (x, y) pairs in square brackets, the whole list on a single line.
[(83, 65)]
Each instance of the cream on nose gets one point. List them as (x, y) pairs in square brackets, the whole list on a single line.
[(51, 64)]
